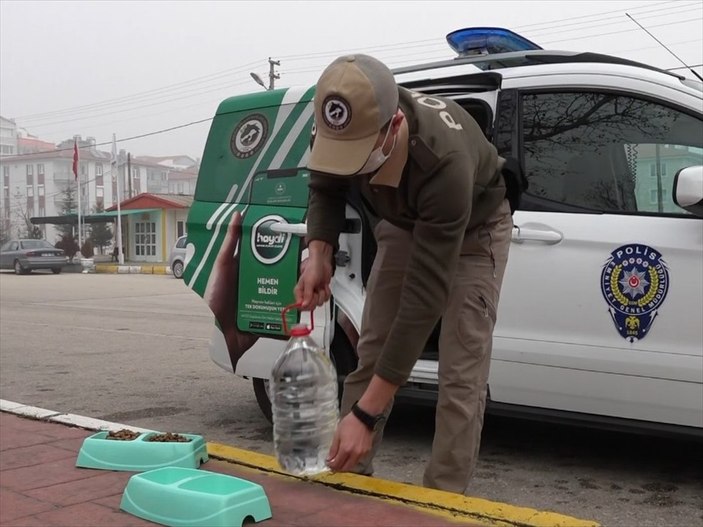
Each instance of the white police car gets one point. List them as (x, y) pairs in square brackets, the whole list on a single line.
[(601, 314)]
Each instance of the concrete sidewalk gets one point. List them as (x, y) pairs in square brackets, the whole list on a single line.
[(41, 486)]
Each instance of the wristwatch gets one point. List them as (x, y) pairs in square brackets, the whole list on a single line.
[(370, 421)]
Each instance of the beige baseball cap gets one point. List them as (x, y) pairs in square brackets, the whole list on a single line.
[(355, 96)]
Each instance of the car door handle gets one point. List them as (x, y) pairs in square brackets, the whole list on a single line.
[(536, 233), (298, 229)]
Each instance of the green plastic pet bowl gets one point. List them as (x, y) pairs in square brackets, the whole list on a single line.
[(140, 454), (184, 497)]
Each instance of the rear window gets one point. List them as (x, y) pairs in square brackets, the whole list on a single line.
[(36, 244)]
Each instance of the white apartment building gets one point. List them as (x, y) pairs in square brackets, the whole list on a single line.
[(183, 182), (34, 184), (166, 175), (8, 136), (153, 177), (36, 174)]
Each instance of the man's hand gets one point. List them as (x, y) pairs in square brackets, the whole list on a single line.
[(313, 288), (352, 441), (222, 292)]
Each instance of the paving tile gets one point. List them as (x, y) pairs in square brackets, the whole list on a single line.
[(112, 502), (16, 505), (28, 521), (32, 455), (37, 476), (21, 423), (41, 487), (41, 425), (284, 494), (99, 486), (368, 512), (59, 432), (278, 520), (68, 432), (300, 503), (90, 515), (74, 444), (11, 437), (295, 498)]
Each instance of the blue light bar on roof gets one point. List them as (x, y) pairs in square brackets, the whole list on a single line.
[(488, 41)]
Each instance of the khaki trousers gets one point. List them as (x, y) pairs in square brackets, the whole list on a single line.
[(465, 342)]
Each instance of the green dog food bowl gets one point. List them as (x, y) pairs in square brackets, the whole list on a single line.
[(181, 497), (140, 454)]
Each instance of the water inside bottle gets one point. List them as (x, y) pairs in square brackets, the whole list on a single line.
[(305, 407)]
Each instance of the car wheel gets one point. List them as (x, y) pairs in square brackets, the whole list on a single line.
[(177, 269), (56, 270), (343, 358), (18, 268)]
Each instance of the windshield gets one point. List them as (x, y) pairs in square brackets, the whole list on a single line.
[(36, 244)]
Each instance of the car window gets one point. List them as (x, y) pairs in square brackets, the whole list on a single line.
[(182, 242), (35, 244), (14, 246), (606, 152)]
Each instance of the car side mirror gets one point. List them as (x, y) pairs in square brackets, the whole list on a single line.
[(688, 189)]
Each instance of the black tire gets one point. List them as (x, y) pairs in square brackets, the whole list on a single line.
[(56, 270), (177, 269), (18, 268), (343, 358)]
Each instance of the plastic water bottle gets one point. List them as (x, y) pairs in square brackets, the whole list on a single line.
[(303, 389)]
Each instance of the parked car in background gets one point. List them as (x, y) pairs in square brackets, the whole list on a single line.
[(25, 256), (177, 259)]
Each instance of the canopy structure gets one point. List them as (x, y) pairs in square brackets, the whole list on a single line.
[(100, 217)]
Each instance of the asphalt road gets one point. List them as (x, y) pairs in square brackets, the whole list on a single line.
[(133, 349)]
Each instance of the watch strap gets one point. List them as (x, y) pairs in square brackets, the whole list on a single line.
[(370, 421)]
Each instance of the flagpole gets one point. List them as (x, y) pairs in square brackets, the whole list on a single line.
[(76, 171), (116, 173)]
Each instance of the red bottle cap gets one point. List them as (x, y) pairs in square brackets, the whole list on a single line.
[(300, 330)]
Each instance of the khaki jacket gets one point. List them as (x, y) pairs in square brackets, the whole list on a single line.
[(451, 183)]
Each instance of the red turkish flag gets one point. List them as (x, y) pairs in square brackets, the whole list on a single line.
[(75, 158)]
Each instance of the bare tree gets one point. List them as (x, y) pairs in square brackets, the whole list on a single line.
[(25, 228), (5, 229), (577, 145)]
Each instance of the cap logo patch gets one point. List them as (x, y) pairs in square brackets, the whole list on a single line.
[(336, 112)]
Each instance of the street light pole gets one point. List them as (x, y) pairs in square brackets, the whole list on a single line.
[(273, 76)]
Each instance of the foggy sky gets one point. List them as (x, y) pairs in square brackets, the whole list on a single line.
[(94, 68)]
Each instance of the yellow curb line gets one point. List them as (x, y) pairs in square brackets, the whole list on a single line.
[(446, 504), (106, 269)]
